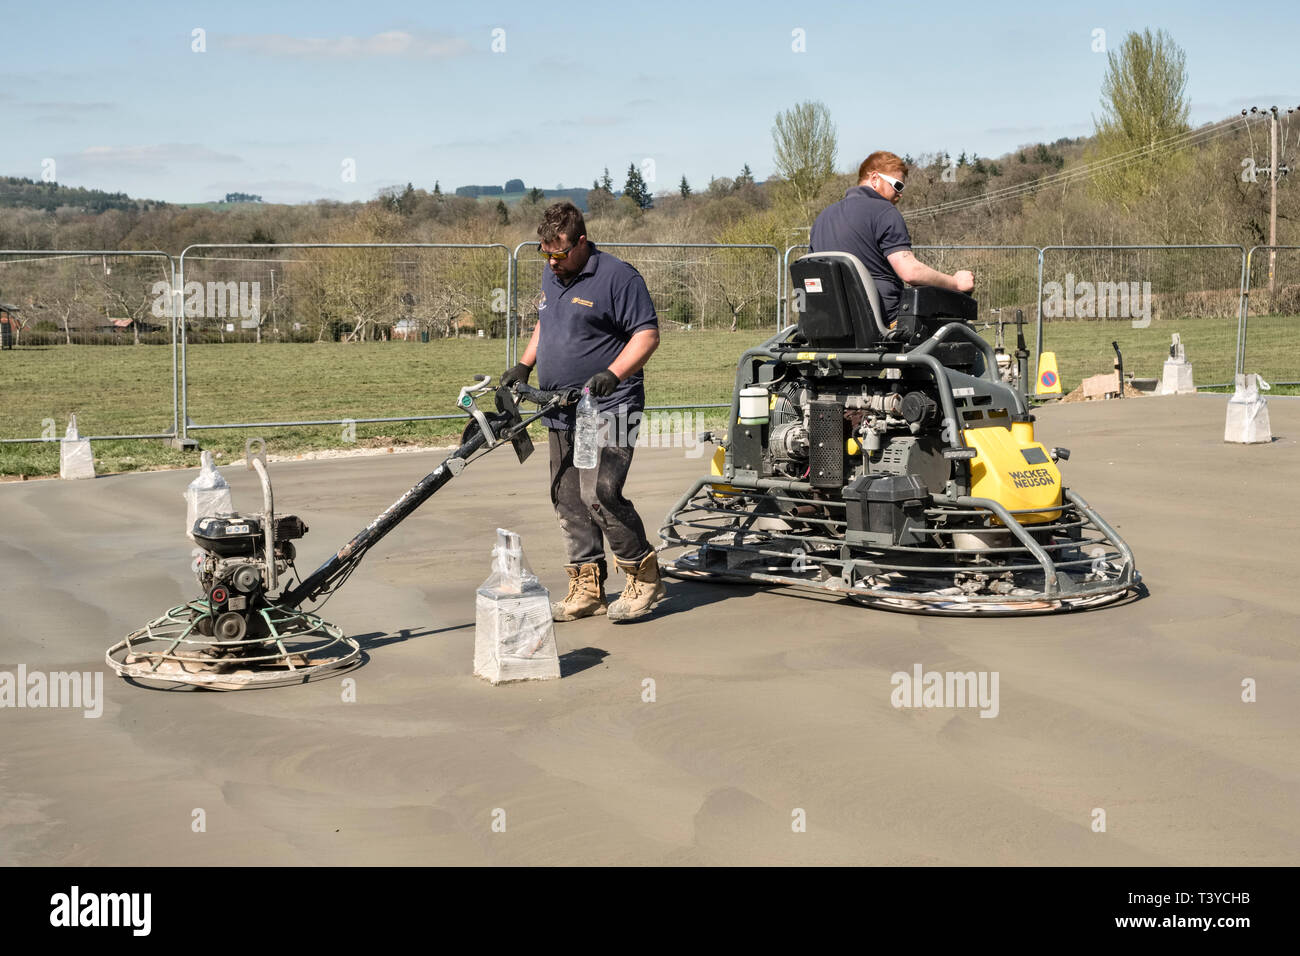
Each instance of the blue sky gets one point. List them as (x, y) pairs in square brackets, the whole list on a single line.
[(286, 92)]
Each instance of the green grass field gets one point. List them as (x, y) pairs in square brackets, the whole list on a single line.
[(1084, 348), (117, 390), (128, 389)]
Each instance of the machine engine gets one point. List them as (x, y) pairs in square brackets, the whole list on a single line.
[(233, 571)]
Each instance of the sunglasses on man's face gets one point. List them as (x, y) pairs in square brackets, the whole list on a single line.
[(558, 256), (898, 184)]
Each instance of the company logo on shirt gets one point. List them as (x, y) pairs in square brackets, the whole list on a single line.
[(578, 301)]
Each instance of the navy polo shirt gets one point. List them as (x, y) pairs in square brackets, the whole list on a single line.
[(585, 325), (870, 227)]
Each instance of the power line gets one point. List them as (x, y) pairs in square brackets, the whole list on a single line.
[(1245, 121), (1202, 135), (1080, 172)]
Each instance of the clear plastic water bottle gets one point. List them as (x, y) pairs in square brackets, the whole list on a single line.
[(585, 451)]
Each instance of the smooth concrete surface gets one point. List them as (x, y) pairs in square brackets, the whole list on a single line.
[(765, 703)]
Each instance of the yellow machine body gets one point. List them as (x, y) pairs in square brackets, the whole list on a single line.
[(1014, 470), (715, 469)]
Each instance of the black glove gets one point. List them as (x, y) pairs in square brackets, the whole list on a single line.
[(602, 383), (519, 373)]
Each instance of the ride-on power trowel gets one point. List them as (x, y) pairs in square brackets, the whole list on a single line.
[(249, 628), (889, 463)]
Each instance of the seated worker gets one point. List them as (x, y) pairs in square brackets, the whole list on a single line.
[(867, 224)]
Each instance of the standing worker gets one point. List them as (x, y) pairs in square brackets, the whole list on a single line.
[(596, 328), (867, 223)]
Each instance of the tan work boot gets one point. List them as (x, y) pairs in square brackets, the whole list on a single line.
[(586, 595), (643, 589)]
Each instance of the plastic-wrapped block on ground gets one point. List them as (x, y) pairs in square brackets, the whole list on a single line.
[(76, 460), (514, 637), (1248, 412)]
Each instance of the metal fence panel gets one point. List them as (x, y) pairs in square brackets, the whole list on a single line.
[(714, 301), (1270, 303), (791, 253), (1138, 296), (88, 332), (388, 332), (328, 333)]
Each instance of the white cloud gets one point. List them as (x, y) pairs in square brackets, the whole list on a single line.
[(391, 43), (66, 107), (141, 159), (591, 121)]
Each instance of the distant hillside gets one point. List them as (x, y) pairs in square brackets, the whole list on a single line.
[(20, 193), (1058, 193), (577, 196)]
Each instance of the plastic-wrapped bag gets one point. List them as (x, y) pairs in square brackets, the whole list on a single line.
[(76, 460), (514, 637), (510, 571), (1247, 421), (208, 494)]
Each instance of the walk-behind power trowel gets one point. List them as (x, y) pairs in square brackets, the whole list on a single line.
[(889, 463), (249, 628)]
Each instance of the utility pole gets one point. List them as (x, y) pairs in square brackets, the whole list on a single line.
[(1272, 202)]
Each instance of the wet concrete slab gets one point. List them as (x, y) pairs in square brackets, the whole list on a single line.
[(765, 702)]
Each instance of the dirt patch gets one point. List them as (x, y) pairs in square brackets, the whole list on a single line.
[(1078, 396)]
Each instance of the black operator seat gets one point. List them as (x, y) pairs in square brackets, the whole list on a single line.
[(839, 306), (837, 301)]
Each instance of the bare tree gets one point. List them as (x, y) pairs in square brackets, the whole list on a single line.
[(804, 145), (1144, 103)]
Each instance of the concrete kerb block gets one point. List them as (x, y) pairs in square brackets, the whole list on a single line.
[(1177, 375), (1247, 421), (76, 459)]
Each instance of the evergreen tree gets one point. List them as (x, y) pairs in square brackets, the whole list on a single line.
[(406, 201), (685, 188), (635, 188), (600, 198), (607, 182), (503, 214), (746, 178)]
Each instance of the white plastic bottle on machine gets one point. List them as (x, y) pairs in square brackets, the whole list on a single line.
[(208, 494), (585, 452)]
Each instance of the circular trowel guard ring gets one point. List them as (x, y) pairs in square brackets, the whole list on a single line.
[(171, 650)]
